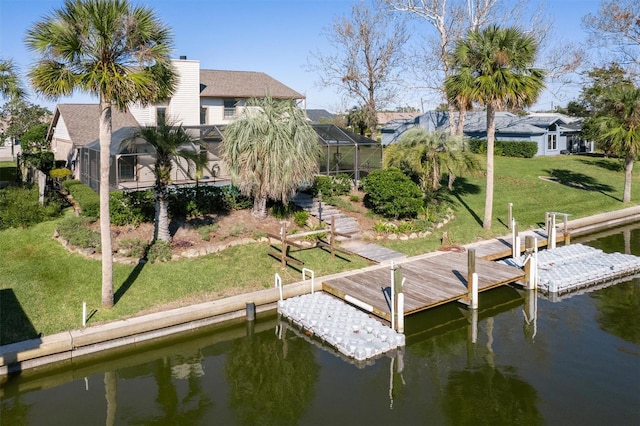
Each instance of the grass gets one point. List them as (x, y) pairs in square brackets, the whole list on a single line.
[(517, 181), (43, 286)]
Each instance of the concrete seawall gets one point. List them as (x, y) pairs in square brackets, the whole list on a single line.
[(69, 345)]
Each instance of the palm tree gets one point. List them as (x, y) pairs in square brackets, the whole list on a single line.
[(9, 81), (426, 157), (619, 128), (494, 67), (270, 150), (171, 143), (113, 50)]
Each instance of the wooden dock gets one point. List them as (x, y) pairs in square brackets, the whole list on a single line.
[(430, 281)]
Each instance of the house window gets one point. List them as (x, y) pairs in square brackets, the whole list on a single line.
[(552, 144), (127, 168), (203, 115), (230, 108), (161, 115)]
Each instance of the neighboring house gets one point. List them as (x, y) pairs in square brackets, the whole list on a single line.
[(385, 118), (204, 102), (554, 133)]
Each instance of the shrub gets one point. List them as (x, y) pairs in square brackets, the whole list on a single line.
[(238, 230), (234, 200), (280, 211), (87, 199), (196, 201), (524, 149), (159, 251), (60, 174), (300, 218), (76, 230), (133, 247), (330, 186), (205, 231), (354, 199), (20, 207), (130, 208), (43, 160), (391, 193), (69, 183)]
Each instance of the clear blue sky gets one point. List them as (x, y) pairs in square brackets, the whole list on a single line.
[(272, 36)]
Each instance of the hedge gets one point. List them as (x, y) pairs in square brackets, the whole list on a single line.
[(87, 198), (524, 149), (392, 194)]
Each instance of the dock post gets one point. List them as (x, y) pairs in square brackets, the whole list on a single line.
[(396, 290), (392, 296), (510, 215), (251, 311), (400, 313), (474, 326), (471, 269), (474, 291), (84, 314), (278, 285), (528, 265), (552, 242), (515, 240)]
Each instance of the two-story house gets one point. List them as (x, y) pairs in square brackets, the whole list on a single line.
[(204, 102)]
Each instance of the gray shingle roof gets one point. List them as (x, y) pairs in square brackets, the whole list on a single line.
[(83, 121), (243, 84)]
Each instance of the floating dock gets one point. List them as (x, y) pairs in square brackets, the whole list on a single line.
[(430, 281), (569, 268), (350, 331)]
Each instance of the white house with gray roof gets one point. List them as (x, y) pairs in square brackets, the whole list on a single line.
[(554, 133), (202, 98), (203, 102)]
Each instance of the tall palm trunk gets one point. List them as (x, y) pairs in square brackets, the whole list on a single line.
[(488, 201), (105, 221), (461, 118), (628, 168), (259, 207), (161, 222)]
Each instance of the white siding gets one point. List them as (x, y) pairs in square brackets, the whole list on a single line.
[(144, 115), (184, 106)]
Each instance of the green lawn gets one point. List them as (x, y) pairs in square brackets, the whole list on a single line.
[(589, 185), (42, 286)]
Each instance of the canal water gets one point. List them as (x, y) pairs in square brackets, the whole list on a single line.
[(531, 360)]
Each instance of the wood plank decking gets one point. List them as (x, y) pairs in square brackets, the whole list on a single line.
[(430, 281)]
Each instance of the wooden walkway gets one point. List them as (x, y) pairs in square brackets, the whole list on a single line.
[(430, 281)]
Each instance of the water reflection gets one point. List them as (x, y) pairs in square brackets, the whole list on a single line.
[(490, 396), (271, 380)]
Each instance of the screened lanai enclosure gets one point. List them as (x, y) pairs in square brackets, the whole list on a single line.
[(132, 163), (346, 152)]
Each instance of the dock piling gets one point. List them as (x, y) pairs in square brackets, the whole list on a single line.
[(251, 311), (509, 215), (474, 291), (471, 269), (84, 314)]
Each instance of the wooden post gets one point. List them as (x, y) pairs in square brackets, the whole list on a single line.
[(333, 235), (397, 290), (528, 248), (567, 238), (471, 269), (510, 215), (283, 240), (474, 291)]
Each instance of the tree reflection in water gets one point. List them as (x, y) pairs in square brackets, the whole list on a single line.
[(271, 381)]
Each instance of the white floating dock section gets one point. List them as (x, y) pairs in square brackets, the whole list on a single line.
[(352, 332), (576, 266)]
